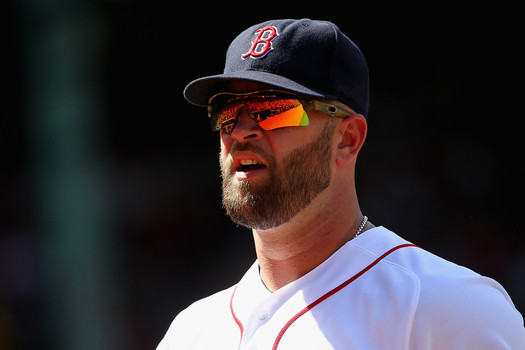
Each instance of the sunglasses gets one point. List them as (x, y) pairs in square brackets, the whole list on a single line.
[(271, 109)]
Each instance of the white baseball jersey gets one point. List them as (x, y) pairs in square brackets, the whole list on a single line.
[(378, 291)]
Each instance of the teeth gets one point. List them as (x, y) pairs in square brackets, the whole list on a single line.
[(248, 162)]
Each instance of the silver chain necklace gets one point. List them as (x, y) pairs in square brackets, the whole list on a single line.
[(361, 227)]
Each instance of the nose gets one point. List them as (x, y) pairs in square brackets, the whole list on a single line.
[(246, 128)]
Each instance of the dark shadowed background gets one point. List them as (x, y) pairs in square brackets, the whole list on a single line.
[(110, 213)]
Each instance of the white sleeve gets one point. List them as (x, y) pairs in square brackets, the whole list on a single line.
[(474, 313), (203, 325), (165, 343)]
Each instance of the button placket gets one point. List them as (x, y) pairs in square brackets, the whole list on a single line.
[(263, 315)]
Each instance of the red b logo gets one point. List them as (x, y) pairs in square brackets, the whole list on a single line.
[(262, 44)]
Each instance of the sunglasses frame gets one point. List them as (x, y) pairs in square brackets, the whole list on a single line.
[(308, 104)]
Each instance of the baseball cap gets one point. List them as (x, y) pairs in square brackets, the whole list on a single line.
[(307, 57)]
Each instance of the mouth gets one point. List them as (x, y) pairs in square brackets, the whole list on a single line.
[(249, 165), (248, 168)]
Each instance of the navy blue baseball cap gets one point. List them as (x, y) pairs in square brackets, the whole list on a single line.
[(310, 58)]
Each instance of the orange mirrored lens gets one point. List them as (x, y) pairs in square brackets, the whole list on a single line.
[(270, 113), (293, 117)]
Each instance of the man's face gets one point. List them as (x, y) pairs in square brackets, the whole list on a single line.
[(271, 193)]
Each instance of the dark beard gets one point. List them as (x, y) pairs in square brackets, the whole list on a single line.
[(305, 173)]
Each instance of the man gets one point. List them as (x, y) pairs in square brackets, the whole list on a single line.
[(291, 109)]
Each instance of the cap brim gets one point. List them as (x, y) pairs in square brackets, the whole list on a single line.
[(199, 91)]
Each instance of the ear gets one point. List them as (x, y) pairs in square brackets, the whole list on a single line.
[(352, 135)]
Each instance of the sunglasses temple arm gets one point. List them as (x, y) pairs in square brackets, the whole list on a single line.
[(327, 108)]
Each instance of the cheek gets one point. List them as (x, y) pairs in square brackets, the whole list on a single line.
[(225, 146), (224, 159), (285, 140)]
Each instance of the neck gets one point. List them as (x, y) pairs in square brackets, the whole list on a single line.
[(288, 252)]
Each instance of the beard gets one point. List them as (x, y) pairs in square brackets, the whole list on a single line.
[(305, 172)]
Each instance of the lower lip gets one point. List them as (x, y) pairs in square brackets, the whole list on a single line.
[(246, 175)]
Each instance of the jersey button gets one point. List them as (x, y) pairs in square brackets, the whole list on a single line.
[(264, 315)]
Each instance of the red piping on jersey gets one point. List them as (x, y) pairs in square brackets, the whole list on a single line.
[(321, 299), (234, 316)]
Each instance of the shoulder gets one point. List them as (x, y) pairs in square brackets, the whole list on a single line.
[(206, 309), (456, 307), (198, 324)]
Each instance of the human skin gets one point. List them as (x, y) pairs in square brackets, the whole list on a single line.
[(290, 250)]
